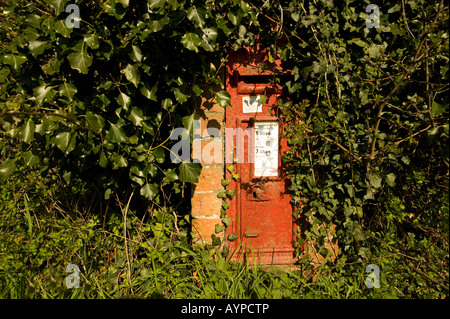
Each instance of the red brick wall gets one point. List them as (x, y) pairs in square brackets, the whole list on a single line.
[(205, 203)]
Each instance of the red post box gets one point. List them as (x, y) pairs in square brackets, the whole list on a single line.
[(260, 211)]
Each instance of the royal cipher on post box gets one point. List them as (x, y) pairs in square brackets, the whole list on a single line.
[(261, 211)]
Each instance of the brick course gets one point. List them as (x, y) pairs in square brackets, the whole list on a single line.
[(204, 228), (204, 201), (206, 204)]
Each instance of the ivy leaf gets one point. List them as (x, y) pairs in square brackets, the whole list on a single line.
[(159, 155), (80, 60), (390, 179), (103, 161), (375, 50), (68, 90), (223, 98), (114, 9), (182, 94), (34, 20), (37, 47), (210, 34), (65, 141), (118, 161), (107, 193), (222, 194), (189, 172), (171, 175), (166, 103), (132, 74), (375, 180), (191, 41), (62, 28), (218, 228), (42, 93), (364, 252), (116, 134), (350, 189), (136, 54), (226, 221), (138, 174), (92, 41), (136, 116), (30, 159), (124, 3), (157, 25), (436, 109), (7, 168), (209, 38), (149, 191), (359, 42), (59, 5), (433, 134), (262, 99), (15, 60), (123, 100), (155, 4), (188, 123), (27, 132), (95, 122), (234, 18), (225, 26), (149, 93), (197, 15)]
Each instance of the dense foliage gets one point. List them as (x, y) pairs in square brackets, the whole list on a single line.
[(86, 114), (370, 152)]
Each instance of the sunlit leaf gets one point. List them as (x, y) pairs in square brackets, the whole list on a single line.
[(65, 141), (197, 15), (116, 134), (42, 93), (27, 132), (223, 98), (30, 159), (68, 90), (149, 191), (37, 47), (123, 100), (59, 5), (189, 172), (95, 122), (7, 168), (135, 54), (132, 73), (149, 93), (15, 60), (191, 41), (80, 60)]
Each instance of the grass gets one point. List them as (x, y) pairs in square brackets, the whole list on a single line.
[(124, 253)]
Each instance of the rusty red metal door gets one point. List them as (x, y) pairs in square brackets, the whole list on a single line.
[(261, 211)]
